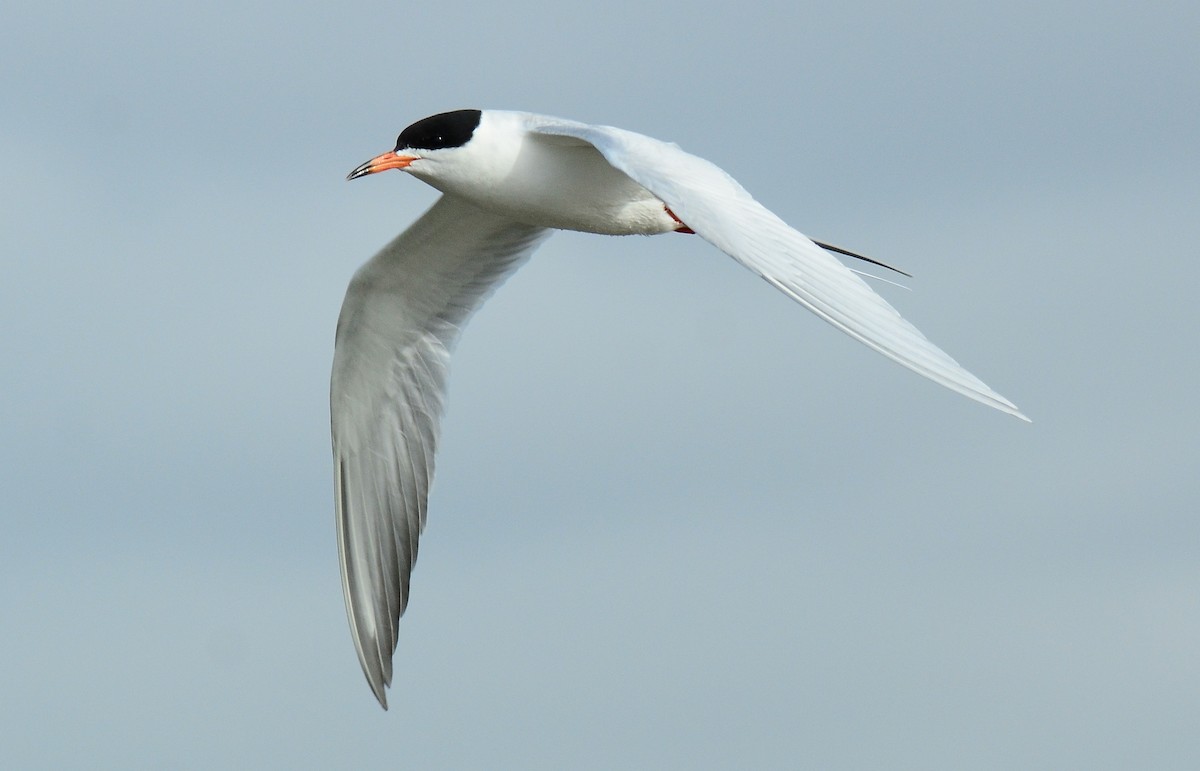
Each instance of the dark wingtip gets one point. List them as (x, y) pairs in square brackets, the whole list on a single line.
[(848, 253), (379, 690)]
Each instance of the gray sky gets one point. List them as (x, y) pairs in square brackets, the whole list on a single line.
[(678, 522)]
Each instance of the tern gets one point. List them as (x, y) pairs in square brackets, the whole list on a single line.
[(508, 179)]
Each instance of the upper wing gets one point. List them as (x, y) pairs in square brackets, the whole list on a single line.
[(400, 318), (720, 210)]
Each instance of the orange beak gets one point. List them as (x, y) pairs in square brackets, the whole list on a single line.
[(388, 160)]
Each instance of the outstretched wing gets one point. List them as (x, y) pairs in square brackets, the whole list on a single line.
[(400, 319), (720, 210)]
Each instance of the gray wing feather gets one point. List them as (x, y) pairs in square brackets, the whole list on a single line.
[(720, 210), (400, 319)]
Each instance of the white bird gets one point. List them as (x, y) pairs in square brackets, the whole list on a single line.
[(508, 179)]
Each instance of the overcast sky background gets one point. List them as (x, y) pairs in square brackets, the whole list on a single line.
[(678, 521)]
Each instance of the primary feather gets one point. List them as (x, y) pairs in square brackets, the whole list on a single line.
[(400, 319)]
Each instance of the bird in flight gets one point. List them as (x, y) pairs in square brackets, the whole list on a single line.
[(508, 179)]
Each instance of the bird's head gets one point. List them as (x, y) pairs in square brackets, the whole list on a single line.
[(424, 140)]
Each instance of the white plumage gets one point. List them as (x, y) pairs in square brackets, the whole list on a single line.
[(508, 179)]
